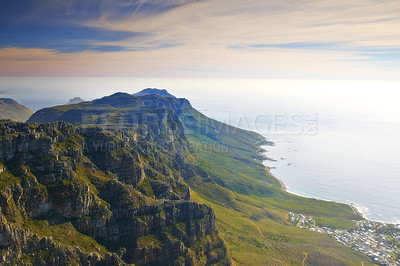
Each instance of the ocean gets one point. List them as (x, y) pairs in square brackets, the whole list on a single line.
[(334, 140), (349, 161)]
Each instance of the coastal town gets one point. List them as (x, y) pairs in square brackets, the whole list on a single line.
[(379, 241)]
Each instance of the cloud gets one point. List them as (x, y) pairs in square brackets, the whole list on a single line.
[(255, 38), (16, 54), (339, 25), (193, 62), (244, 22)]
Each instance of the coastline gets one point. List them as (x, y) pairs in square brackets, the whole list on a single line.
[(363, 237), (361, 211), (261, 151), (356, 211), (283, 186)]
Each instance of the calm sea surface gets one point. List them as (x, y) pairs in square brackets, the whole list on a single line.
[(334, 140), (346, 161)]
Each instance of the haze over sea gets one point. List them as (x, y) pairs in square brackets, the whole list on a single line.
[(334, 140)]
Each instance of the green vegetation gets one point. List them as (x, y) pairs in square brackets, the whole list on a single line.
[(230, 156), (65, 234), (73, 142), (9, 207), (148, 241), (6, 179), (257, 235)]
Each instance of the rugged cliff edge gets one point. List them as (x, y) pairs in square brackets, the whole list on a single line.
[(91, 196)]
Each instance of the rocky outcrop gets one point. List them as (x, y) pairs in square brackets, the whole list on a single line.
[(22, 247), (85, 195)]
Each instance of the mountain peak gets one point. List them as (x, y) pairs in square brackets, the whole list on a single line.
[(75, 100), (154, 91), (8, 101)]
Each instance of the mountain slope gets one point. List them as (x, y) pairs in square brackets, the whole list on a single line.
[(83, 195), (124, 110), (10, 109), (251, 206)]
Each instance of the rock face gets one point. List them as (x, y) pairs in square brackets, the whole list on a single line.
[(10, 109), (88, 195)]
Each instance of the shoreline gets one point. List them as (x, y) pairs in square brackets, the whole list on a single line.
[(357, 211), (283, 186)]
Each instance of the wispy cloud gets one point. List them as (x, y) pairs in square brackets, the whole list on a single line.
[(219, 21), (254, 38)]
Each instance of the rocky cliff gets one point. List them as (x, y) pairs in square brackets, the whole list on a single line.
[(90, 195)]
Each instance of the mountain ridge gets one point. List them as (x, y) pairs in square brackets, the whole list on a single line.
[(154, 91)]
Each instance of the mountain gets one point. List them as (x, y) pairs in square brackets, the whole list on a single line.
[(75, 100), (152, 91), (10, 109), (119, 109), (84, 195), (219, 164)]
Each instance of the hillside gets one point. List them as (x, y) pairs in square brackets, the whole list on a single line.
[(250, 205), (10, 109), (74, 195)]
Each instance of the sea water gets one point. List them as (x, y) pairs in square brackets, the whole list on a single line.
[(349, 161), (334, 140)]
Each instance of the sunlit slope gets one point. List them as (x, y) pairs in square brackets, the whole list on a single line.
[(10, 109)]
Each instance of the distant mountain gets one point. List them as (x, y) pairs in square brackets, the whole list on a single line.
[(75, 100), (11, 109), (150, 91), (117, 109)]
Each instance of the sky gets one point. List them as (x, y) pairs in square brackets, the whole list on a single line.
[(282, 39)]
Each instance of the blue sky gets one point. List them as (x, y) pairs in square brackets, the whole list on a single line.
[(357, 39)]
